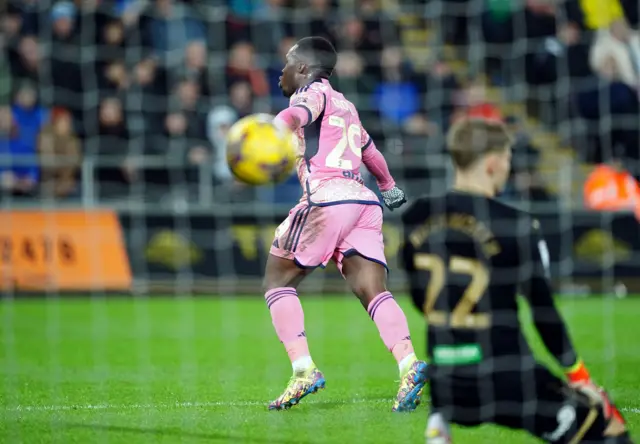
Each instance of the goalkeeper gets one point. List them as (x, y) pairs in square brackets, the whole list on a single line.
[(466, 254)]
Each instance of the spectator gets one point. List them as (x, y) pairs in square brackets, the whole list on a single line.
[(474, 103), (611, 58), (25, 59), (320, 21), (524, 156), (171, 26), (189, 98), (109, 142), (18, 166), (60, 155), (92, 19), (353, 79), (28, 115), (150, 83), (63, 16), (190, 104), (242, 67), (275, 71), (195, 66), (440, 90), (611, 28), (11, 23), (32, 15), (182, 143), (270, 25), (65, 68), (497, 24), (396, 97), (219, 122), (114, 77), (380, 29), (241, 98), (112, 42)]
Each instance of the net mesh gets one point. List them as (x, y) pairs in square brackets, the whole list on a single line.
[(123, 106)]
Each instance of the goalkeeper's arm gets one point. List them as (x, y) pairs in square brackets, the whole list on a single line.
[(546, 317)]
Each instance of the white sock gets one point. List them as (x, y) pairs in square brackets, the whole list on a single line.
[(437, 430), (406, 362), (302, 364)]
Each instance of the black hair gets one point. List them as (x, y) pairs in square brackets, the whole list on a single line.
[(320, 53)]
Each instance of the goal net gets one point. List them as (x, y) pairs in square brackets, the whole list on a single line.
[(113, 116)]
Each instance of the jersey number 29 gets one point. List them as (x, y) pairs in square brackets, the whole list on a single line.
[(351, 137), (461, 316)]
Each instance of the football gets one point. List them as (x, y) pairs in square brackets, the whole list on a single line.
[(258, 152)]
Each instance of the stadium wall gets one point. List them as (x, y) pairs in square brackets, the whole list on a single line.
[(76, 251)]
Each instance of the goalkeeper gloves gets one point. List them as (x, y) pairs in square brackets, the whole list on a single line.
[(393, 198), (579, 379)]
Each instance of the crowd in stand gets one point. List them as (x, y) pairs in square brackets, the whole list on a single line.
[(117, 81), (580, 60)]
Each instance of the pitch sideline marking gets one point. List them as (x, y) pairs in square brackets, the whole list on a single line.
[(198, 404)]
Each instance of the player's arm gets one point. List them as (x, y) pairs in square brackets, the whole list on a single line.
[(546, 317), (377, 165), (304, 108), (294, 117)]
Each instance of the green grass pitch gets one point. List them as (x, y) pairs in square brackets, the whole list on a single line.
[(184, 370)]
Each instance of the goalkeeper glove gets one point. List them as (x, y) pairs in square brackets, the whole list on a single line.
[(393, 198), (579, 379)]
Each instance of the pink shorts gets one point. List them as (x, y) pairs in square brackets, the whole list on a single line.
[(313, 235)]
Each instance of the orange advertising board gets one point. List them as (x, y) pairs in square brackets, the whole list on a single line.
[(62, 250)]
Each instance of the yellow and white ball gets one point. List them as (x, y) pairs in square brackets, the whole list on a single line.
[(258, 152)]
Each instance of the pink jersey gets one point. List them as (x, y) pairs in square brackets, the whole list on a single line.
[(330, 147)]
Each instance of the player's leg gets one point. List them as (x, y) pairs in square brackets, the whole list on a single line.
[(281, 279), (304, 241), (367, 279), (362, 263)]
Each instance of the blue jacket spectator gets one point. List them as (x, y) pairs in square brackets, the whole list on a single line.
[(396, 97), (19, 171), (21, 143), (28, 116)]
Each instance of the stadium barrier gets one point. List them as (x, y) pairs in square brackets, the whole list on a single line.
[(73, 250), (226, 254), (95, 250)]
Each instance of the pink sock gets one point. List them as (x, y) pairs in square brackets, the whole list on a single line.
[(288, 320), (392, 325)]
